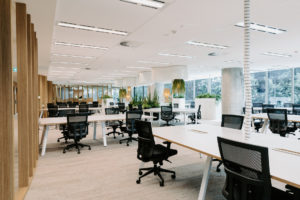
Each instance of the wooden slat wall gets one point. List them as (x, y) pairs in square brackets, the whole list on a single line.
[(35, 97), (50, 92), (22, 62), (6, 104)]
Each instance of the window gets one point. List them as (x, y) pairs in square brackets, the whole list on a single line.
[(201, 86), (280, 87), (71, 93), (62, 92), (90, 92), (66, 93), (115, 94), (169, 86), (297, 85), (85, 92), (216, 86), (145, 91), (258, 83), (95, 94), (139, 92), (189, 90), (99, 92)]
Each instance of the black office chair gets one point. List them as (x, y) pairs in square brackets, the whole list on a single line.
[(167, 114), (265, 107), (95, 104), (131, 118), (192, 105), (296, 109), (69, 102), (247, 172), (148, 151), (111, 103), (130, 107), (75, 103), (113, 124), (278, 122), (192, 116), (77, 129), (230, 121), (84, 108), (82, 103), (121, 107), (63, 128), (63, 105), (50, 105), (258, 123), (72, 105), (53, 111), (140, 107)]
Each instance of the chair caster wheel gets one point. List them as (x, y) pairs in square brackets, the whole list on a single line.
[(127, 144), (120, 142), (138, 181), (64, 151), (173, 176), (78, 152), (140, 173), (218, 170), (90, 148), (57, 140), (161, 184)]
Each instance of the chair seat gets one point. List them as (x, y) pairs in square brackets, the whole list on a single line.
[(160, 151), (280, 195), (113, 123)]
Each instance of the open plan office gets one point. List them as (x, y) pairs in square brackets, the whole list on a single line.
[(149, 99)]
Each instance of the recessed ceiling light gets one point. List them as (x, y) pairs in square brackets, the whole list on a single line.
[(149, 3), (277, 54), (206, 45), (175, 55), (73, 56), (91, 28), (138, 67), (262, 28), (80, 45), (152, 62)]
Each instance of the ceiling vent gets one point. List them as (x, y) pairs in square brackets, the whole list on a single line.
[(129, 44), (212, 54)]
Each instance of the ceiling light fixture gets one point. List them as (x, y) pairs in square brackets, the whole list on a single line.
[(73, 56), (138, 67), (91, 28), (69, 63), (152, 62), (277, 54), (148, 3), (175, 55), (262, 28), (206, 45), (80, 45)]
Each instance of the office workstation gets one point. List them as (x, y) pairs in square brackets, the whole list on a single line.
[(148, 99)]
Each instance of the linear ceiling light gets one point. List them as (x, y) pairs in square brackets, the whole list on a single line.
[(277, 54), (175, 55), (262, 28), (80, 45), (152, 62), (69, 63), (91, 28), (206, 45), (148, 3), (73, 56), (138, 67)]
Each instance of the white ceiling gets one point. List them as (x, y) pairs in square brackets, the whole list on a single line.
[(165, 31)]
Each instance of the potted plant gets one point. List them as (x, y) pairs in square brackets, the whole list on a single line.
[(178, 89), (208, 105), (122, 94)]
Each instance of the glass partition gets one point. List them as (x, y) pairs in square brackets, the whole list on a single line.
[(201, 86), (189, 91), (258, 82), (216, 86)]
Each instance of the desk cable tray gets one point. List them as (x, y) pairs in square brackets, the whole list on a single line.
[(287, 151)]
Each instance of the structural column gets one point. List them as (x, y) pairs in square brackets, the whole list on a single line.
[(22, 63), (232, 91), (6, 104)]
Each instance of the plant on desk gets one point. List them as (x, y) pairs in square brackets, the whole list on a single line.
[(178, 88), (122, 94), (208, 95)]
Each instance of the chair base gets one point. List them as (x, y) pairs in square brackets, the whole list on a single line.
[(219, 165), (63, 137), (76, 145), (156, 170), (129, 139), (114, 132)]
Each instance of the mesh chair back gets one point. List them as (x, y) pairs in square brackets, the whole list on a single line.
[(82, 103), (265, 107), (83, 108), (247, 170), (296, 109), (72, 105), (166, 112), (145, 140), (176, 105), (112, 111), (140, 107), (77, 125), (232, 121), (63, 105), (287, 105), (64, 113), (130, 106), (278, 120), (257, 105), (131, 117), (121, 106), (95, 104), (53, 111), (111, 103), (199, 112), (50, 105)]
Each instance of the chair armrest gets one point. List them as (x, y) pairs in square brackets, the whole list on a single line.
[(168, 144)]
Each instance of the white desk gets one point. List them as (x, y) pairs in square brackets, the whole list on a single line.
[(284, 167), (175, 110), (260, 108), (264, 116), (53, 121), (97, 109)]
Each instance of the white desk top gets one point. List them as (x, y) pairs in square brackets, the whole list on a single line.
[(76, 108), (185, 110), (91, 118), (284, 167), (291, 118), (287, 108)]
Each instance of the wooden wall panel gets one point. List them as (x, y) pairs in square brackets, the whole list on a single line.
[(36, 94), (22, 63), (6, 104), (50, 92)]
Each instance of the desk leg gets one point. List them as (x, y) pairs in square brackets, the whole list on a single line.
[(205, 178), (104, 133), (196, 117), (151, 114), (263, 129), (44, 139), (95, 130), (41, 115), (253, 127), (184, 118)]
